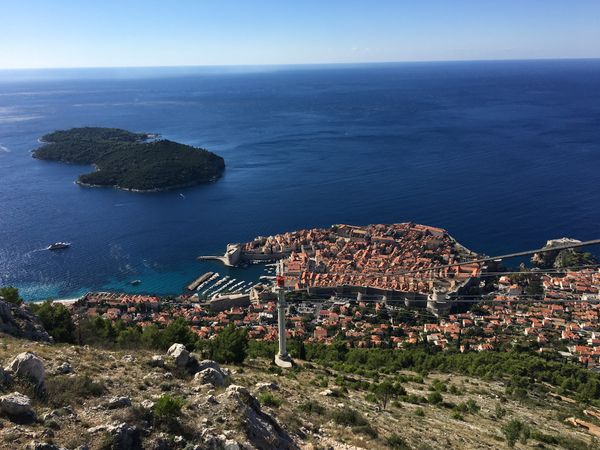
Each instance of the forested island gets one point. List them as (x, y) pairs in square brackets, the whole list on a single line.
[(130, 161)]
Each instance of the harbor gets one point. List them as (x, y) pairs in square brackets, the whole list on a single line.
[(198, 281)]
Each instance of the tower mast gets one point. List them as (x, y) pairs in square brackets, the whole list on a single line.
[(282, 359)]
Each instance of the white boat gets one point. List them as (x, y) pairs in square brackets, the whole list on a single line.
[(58, 246)]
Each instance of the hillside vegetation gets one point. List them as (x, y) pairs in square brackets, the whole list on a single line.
[(101, 385), (129, 161)]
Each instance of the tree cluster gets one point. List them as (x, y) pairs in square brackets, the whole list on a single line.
[(126, 160)]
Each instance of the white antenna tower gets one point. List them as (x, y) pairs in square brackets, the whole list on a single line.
[(282, 359)]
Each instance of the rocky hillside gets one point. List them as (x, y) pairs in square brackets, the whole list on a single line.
[(16, 319), (60, 396)]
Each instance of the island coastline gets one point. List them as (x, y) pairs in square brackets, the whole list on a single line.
[(133, 162)]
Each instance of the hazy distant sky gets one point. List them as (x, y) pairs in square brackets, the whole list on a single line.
[(83, 33)]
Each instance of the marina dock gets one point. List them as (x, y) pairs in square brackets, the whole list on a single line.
[(198, 281)]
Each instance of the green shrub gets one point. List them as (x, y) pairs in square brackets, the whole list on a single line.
[(230, 345), (439, 385), (518, 364), (457, 416), (420, 412), (370, 397), (500, 411), (454, 390), (545, 438), (57, 320), (515, 430), (415, 399), (312, 407), (348, 417), (396, 442), (10, 295), (469, 406), (167, 410), (261, 349), (178, 332), (461, 408), (268, 399), (386, 391), (435, 398), (367, 430), (67, 391), (472, 406)]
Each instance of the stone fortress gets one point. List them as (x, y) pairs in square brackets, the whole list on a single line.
[(371, 263)]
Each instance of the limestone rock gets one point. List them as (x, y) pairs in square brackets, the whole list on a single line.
[(117, 402), (242, 395), (208, 363), (64, 368), (16, 405), (261, 387), (128, 358), (147, 404), (97, 429), (230, 444), (260, 428), (19, 321), (210, 372), (210, 375), (125, 437), (27, 365), (179, 354)]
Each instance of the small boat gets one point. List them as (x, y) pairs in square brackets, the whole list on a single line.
[(58, 246), (135, 282)]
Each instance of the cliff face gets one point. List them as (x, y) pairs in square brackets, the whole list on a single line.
[(19, 321), (559, 259)]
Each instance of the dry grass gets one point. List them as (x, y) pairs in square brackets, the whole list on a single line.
[(318, 421)]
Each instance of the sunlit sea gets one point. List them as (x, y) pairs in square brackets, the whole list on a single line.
[(504, 155)]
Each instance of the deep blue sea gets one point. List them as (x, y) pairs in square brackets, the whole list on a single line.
[(504, 155)]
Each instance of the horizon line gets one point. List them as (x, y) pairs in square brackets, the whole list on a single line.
[(228, 65)]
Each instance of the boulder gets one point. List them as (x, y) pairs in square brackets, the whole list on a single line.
[(207, 363), (16, 405), (157, 361), (230, 444), (147, 404), (242, 396), (211, 376), (117, 402), (63, 369), (128, 359), (97, 429), (125, 437), (179, 354), (212, 441), (262, 387), (260, 428), (27, 365), (61, 413)]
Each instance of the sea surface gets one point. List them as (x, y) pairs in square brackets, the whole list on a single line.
[(504, 155)]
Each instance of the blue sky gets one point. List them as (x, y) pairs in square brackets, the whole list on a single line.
[(100, 33)]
